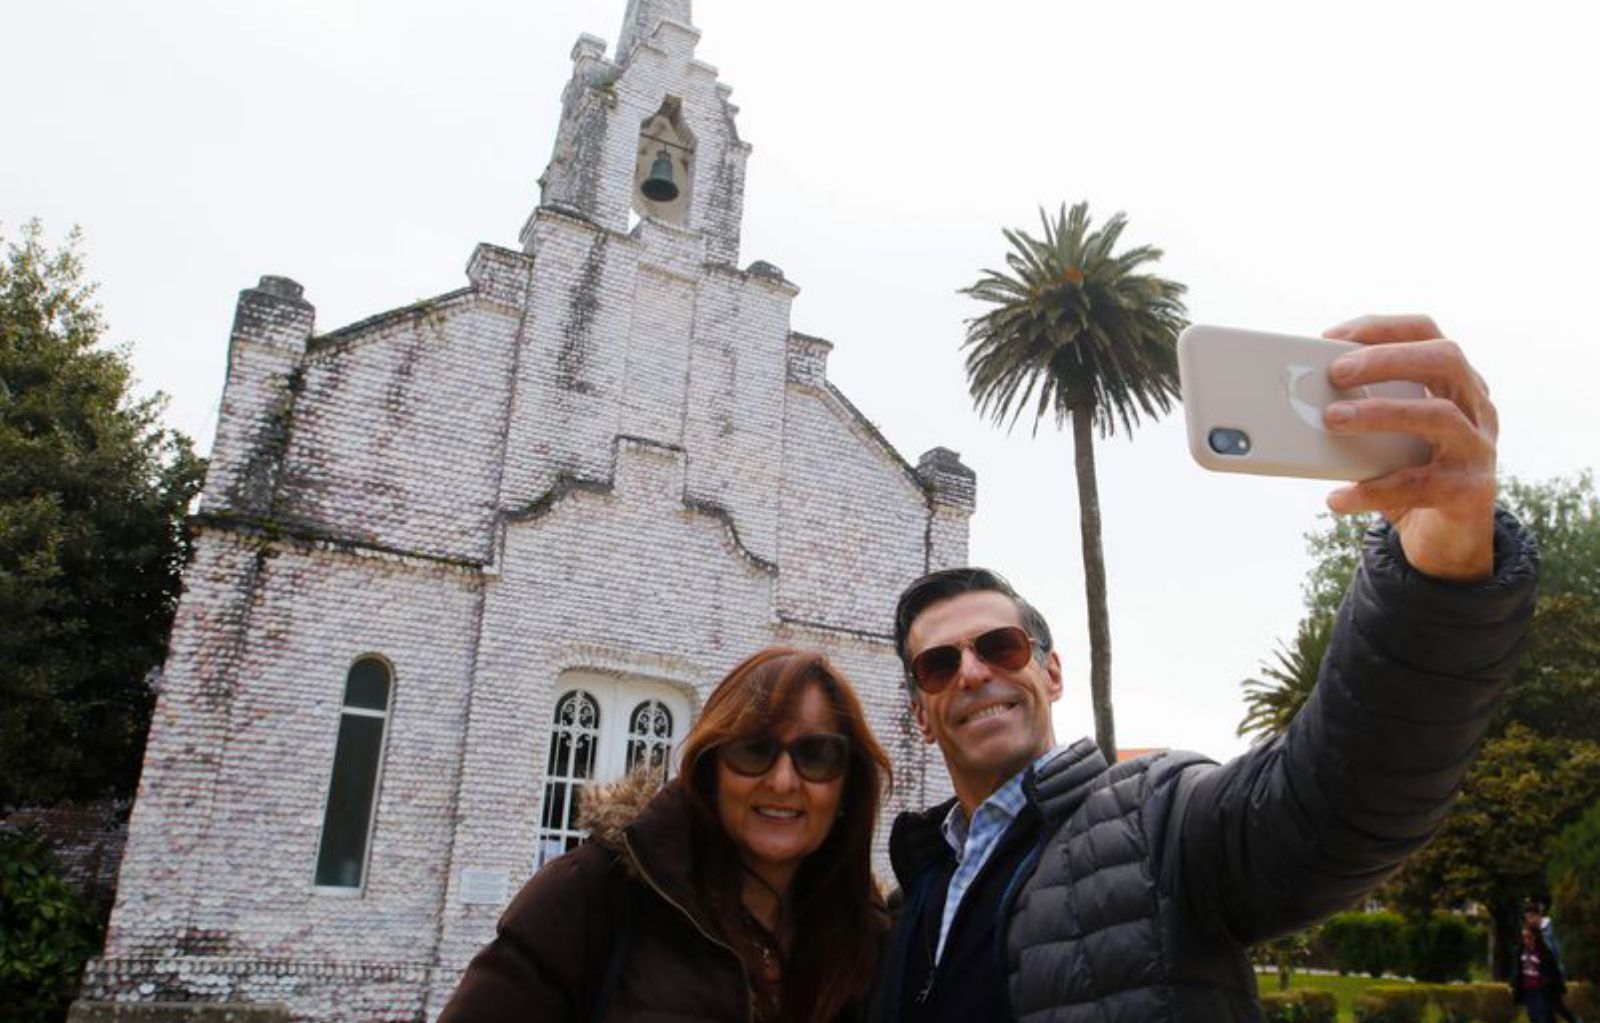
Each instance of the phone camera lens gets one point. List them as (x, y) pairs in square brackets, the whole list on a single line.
[(1225, 441)]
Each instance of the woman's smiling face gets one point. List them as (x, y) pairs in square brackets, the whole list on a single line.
[(778, 818)]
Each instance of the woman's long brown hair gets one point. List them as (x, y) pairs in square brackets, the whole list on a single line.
[(835, 906)]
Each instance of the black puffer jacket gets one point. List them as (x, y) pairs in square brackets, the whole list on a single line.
[(1153, 877)]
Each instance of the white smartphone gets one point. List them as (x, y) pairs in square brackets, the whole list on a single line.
[(1254, 404)]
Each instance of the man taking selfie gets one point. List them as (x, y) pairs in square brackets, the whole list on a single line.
[(1055, 886)]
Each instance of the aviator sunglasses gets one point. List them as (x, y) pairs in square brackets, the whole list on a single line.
[(1007, 648), (818, 757)]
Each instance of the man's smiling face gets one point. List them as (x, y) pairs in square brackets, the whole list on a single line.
[(989, 723)]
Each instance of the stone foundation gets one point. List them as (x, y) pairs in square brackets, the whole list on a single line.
[(174, 1012), (210, 989)]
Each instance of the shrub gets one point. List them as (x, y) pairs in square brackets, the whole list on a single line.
[(1442, 948), (1300, 1007), (1368, 1009), (1584, 1000), (1453, 1005), (1575, 897), (1281, 1007), (46, 932), (1474, 1003), (1392, 1005), (1321, 1006), (1370, 943)]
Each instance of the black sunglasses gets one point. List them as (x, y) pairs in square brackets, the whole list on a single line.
[(818, 757), (1007, 648)]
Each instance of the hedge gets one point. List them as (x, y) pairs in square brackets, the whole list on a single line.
[(1438, 949), (1456, 1003), (1584, 1000), (1392, 1004), (1300, 1007), (1474, 1003), (1442, 948), (1370, 943)]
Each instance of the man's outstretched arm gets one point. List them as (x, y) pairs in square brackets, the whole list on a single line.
[(1426, 641)]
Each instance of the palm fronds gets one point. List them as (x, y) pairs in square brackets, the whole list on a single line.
[(1272, 701), (1073, 325)]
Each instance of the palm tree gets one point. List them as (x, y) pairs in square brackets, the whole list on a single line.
[(1077, 333), (1272, 702)]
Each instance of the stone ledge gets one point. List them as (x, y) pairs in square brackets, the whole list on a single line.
[(116, 969)]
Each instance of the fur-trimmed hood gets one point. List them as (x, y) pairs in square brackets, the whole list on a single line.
[(648, 827), (605, 810)]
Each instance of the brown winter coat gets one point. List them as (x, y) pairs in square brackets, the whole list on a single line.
[(549, 960)]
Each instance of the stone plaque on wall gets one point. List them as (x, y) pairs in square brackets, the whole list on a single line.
[(483, 887)]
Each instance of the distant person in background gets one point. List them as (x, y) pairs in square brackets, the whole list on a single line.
[(1533, 915), (1536, 982)]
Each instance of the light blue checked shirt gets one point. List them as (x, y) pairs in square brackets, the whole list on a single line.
[(973, 843)]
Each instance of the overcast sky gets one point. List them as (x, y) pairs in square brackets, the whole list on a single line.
[(1297, 166)]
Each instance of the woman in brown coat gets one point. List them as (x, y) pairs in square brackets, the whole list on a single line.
[(742, 891)]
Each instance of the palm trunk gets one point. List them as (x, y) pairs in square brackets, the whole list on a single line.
[(1094, 582)]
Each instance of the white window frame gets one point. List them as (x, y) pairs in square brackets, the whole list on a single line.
[(377, 781), (617, 699)]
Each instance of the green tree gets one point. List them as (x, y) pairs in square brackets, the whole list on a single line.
[(1336, 548), (1494, 847), (1575, 890), (93, 494), (1564, 514), (46, 932), (1556, 690), (1077, 333)]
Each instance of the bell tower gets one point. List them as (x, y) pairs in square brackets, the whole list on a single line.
[(642, 17), (648, 133)]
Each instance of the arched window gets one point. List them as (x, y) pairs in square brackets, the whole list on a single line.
[(649, 737), (353, 787), (574, 743), (603, 727)]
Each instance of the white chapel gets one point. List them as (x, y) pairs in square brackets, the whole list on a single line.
[(457, 560)]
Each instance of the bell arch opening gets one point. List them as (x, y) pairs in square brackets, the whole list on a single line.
[(663, 182)]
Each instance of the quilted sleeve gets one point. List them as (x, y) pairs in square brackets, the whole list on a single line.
[(1308, 823)]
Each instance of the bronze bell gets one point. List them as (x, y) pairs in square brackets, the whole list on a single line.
[(659, 186)]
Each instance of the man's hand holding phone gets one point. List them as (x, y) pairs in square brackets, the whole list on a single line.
[(1386, 400), (1443, 510)]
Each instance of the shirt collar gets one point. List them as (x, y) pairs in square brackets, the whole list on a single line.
[(1006, 801)]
